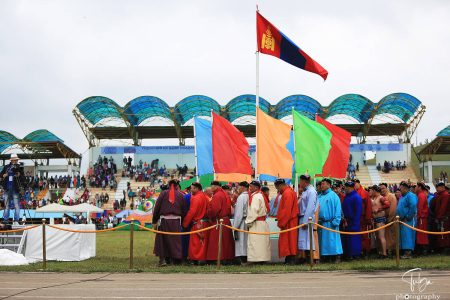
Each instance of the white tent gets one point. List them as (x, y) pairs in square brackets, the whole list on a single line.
[(84, 208), (80, 208), (52, 208)]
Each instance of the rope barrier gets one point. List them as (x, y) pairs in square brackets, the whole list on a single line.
[(424, 231), (354, 233), (176, 233), (87, 231), (20, 229), (266, 233), (230, 227)]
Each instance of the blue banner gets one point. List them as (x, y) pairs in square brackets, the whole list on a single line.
[(376, 147), (203, 140), (148, 150)]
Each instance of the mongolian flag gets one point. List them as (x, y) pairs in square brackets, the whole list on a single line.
[(273, 42)]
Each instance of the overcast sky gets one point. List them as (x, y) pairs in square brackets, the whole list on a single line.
[(53, 54)]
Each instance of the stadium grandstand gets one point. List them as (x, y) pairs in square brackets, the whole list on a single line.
[(38, 145), (434, 157), (100, 118), (392, 121)]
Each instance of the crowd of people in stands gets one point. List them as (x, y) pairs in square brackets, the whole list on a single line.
[(102, 174), (339, 206), (389, 166), (29, 199), (144, 172), (53, 182)]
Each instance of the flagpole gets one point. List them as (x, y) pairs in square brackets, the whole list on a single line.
[(214, 171), (295, 151), (195, 151), (256, 114)]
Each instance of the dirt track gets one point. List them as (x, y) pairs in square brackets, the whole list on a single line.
[(315, 285)]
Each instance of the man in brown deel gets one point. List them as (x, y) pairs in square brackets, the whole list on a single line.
[(169, 210)]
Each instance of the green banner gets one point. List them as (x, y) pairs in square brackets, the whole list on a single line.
[(205, 181)]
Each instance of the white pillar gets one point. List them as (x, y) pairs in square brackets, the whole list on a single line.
[(430, 171)]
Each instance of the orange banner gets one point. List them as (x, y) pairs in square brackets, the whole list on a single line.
[(233, 177), (272, 135)]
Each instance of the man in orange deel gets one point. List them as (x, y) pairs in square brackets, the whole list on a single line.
[(287, 218)]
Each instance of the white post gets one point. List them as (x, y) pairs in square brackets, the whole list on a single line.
[(256, 114), (195, 151)]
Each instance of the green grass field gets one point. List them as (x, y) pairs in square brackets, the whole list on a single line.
[(113, 256)]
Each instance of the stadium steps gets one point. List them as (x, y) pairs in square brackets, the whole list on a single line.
[(118, 194), (374, 174), (111, 193), (99, 191), (364, 176), (397, 176)]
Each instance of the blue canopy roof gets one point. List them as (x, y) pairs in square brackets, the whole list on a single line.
[(42, 135), (196, 105), (8, 139), (444, 132), (145, 107), (97, 108), (301, 103), (401, 105), (352, 105), (245, 105)]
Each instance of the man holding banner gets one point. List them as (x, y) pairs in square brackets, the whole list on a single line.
[(258, 245)]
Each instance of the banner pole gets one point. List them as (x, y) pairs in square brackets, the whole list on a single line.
[(295, 150), (212, 144), (195, 151), (256, 114)]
